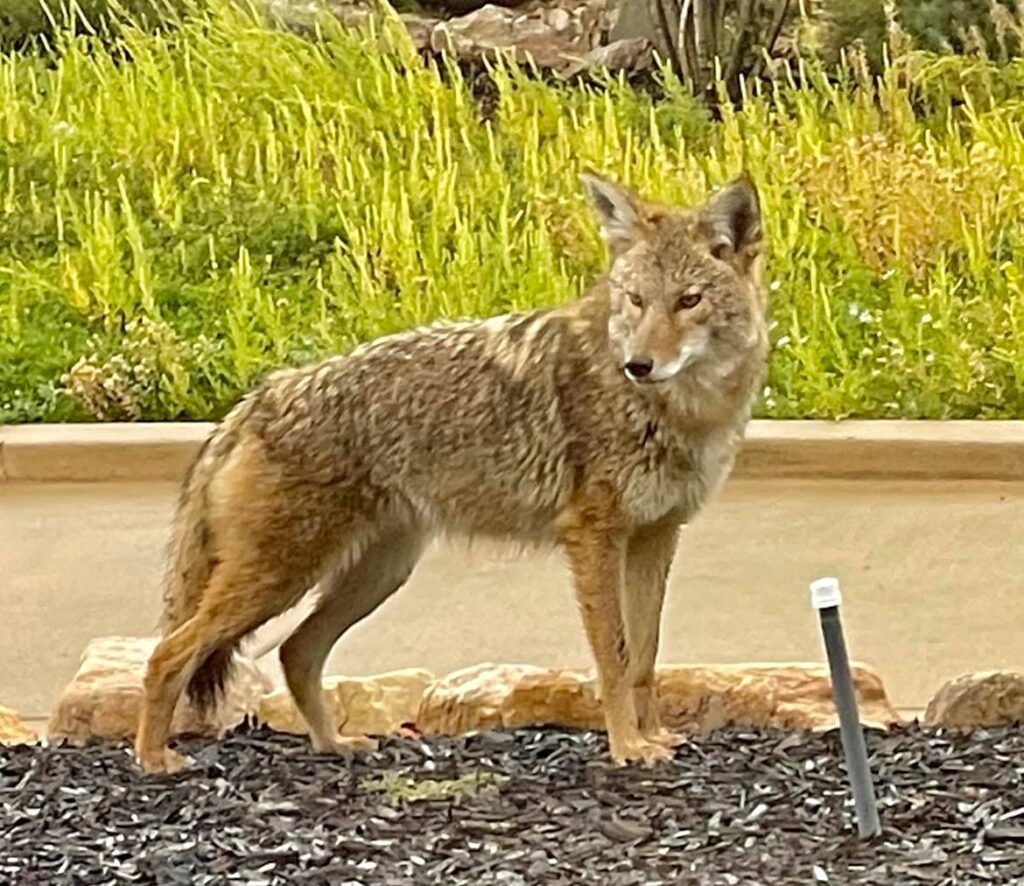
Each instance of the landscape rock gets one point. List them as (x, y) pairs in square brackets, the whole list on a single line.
[(14, 730), (693, 699), (461, 7), (641, 19), (980, 699), (104, 698), (490, 696), (376, 705), (553, 36), (420, 27), (566, 36), (631, 56)]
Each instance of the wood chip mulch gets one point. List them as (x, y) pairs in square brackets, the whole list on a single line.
[(521, 808)]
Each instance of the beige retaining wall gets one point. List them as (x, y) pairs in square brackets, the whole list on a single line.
[(897, 450)]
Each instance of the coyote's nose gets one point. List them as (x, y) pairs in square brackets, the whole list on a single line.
[(639, 367)]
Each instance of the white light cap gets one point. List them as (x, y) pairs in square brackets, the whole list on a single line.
[(825, 593)]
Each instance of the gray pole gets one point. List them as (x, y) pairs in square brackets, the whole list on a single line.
[(826, 597)]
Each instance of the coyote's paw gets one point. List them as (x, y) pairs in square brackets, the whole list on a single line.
[(346, 745), (640, 750), (161, 762), (666, 738)]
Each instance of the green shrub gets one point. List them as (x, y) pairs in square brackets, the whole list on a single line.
[(22, 21), (987, 27), (236, 198)]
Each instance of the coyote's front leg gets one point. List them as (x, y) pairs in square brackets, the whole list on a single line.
[(597, 557), (649, 555)]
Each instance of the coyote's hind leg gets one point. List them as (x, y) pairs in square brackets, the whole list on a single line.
[(349, 594), (237, 600)]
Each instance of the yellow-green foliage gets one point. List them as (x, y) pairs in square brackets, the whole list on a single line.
[(182, 211), (403, 789)]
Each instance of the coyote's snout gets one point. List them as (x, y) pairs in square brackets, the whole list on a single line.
[(601, 426)]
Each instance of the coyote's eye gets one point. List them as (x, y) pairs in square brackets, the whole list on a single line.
[(688, 300), (636, 299)]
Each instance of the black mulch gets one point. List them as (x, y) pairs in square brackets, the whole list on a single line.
[(738, 807)]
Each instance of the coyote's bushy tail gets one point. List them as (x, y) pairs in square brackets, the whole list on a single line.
[(191, 562)]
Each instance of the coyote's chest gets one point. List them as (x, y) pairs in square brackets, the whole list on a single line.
[(677, 474)]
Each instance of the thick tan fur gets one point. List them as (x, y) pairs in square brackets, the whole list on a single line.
[(601, 426)]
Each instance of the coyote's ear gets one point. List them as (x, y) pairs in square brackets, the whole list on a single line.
[(731, 221), (618, 211)]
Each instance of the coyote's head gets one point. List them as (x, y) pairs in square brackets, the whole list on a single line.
[(685, 285)]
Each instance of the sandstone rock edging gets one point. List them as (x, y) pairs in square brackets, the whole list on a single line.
[(104, 697), (978, 699), (14, 730), (693, 699)]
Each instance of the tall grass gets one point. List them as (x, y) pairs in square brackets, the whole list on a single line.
[(180, 212)]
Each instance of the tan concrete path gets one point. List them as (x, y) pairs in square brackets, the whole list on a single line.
[(933, 574)]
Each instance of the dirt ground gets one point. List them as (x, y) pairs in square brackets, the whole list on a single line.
[(932, 574)]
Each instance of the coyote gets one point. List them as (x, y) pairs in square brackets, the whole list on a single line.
[(601, 426)]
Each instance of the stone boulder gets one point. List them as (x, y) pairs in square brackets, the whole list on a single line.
[(629, 56), (565, 36), (377, 705), (975, 700), (693, 699), (104, 697), (780, 696), (461, 7), (14, 730), (553, 35), (507, 696)]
